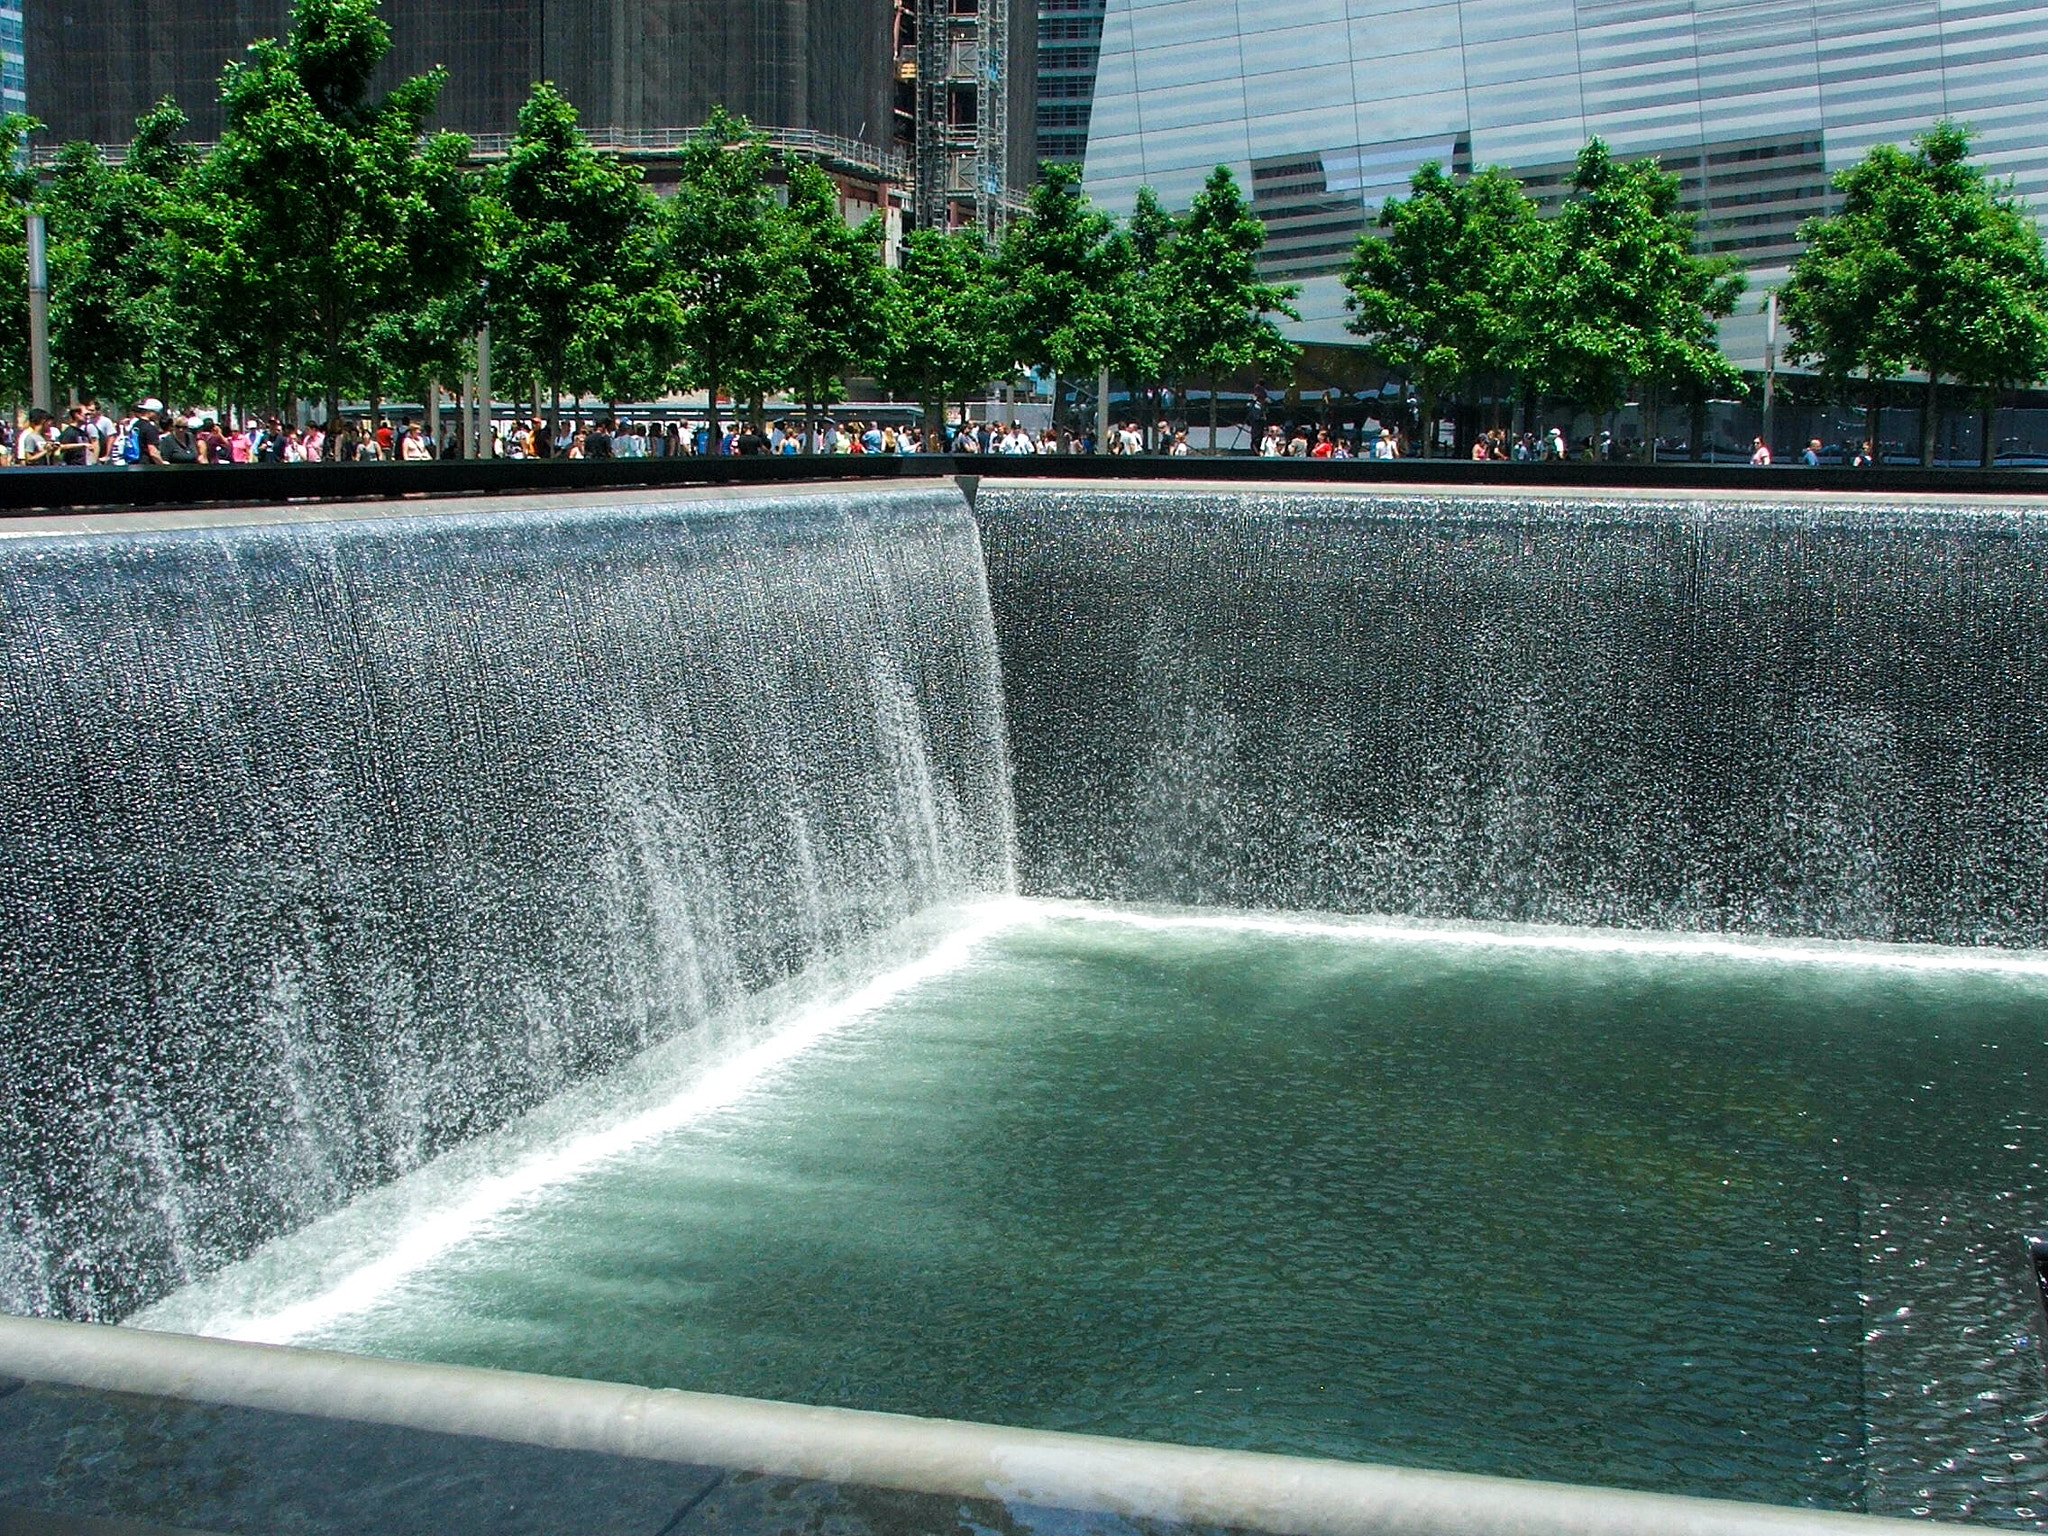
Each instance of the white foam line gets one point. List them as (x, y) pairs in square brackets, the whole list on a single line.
[(1607, 942), (436, 1230)]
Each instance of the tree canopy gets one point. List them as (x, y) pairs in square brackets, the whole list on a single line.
[(324, 209), (17, 191), (1058, 271), (839, 308), (1226, 309), (1928, 266), (570, 257), (1449, 292), (945, 321), (1630, 302), (720, 260)]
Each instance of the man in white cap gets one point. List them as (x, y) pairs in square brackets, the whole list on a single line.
[(142, 445)]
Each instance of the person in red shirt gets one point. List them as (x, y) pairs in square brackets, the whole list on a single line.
[(384, 439), (1324, 448)]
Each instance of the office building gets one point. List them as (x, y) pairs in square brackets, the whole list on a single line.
[(13, 66), (1325, 107), (1069, 45), (823, 77)]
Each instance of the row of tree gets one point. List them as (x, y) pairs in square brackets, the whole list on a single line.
[(330, 247), (1467, 289), (1927, 267)]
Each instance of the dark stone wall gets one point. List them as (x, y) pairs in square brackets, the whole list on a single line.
[(1822, 721)]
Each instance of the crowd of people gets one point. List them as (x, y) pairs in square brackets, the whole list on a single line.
[(149, 434)]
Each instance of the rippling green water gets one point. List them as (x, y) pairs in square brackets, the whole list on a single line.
[(1591, 1217)]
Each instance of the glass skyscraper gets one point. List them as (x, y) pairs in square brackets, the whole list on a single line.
[(13, 67), (1069, 40), (1324, 107)]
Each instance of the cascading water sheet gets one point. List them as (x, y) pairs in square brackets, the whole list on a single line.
[(327, 842), (1820, 721)]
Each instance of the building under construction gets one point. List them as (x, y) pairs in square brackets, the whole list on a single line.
[(926, 105)]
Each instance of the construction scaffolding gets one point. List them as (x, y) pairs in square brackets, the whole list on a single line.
[(961, 131)]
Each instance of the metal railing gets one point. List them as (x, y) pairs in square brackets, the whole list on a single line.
[(807, 143), (58, 491), (1178, 1484)]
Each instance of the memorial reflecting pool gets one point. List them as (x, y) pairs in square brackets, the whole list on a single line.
[(1637, 1210)]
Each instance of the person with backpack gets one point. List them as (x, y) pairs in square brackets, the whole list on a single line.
[(271, 442), (142, 442)]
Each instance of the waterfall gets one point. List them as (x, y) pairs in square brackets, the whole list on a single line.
[(334, 839), (1821, 721)]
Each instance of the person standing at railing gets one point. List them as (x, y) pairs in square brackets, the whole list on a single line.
[(178, 445), (32, 446), (144, 437)]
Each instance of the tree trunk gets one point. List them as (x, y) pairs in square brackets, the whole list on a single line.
[(1989, 455), (711, 417), (1650, 415), (1873, 420), (1696, 429), (1930, 418), (1426, 435), (1214, 385)]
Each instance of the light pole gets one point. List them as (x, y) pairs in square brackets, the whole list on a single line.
[(38, 314), (1770, 361), (487, 448)]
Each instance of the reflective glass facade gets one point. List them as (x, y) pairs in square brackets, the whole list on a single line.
[(1324, 107), (13, 73), (1069, 42)]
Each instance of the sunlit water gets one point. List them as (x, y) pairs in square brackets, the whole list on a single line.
[(1551, 1205)]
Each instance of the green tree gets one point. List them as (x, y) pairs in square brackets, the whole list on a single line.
[(721, 261), (1058, 271), (1446, 294), (838, 318), (328, 212), (1825, 307), (1225, 308), (944, 323), (17, 192), (1928, 266), (118, 236), (1630, 303), (571, 269), (1144, 317)]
